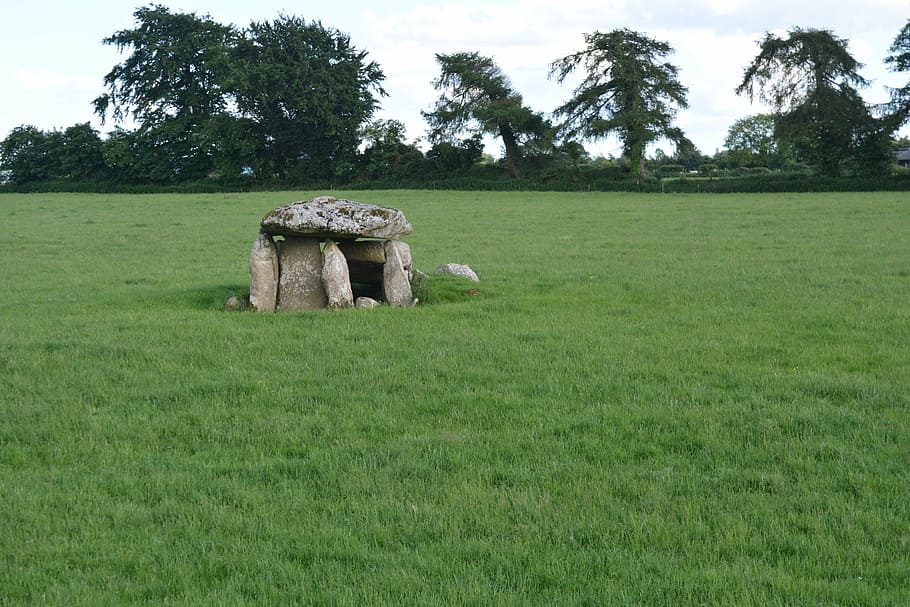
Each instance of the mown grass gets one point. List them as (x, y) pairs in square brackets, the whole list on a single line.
[(655, 400)]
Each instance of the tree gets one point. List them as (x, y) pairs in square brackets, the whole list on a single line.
[(80, 153), (751, 142), (899, 61), (689, 157), (452, 156), (172, 85), (29, 154), (811, 80), (386, 154), (628, 89), (285, 98), (478, 98), (305, 92), (23, 155)]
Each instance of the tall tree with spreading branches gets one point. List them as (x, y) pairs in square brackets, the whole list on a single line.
[(629, 89), (171, 85), (306, 91), (478, 97), (811, 80)]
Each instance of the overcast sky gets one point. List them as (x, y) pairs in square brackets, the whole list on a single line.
[(52, 62)]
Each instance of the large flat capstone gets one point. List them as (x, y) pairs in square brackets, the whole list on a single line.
[(330, 217)]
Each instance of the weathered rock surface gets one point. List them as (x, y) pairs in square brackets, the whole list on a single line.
[(235, 304), (336, 279), (370, 251), (264, 274), (396, 275), (365, 259), (337, 218), (366, 303), (300, 284), (362, 263), (457, 269)]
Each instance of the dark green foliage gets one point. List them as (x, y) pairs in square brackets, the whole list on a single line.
[(75, 154), (172, 84), (899, 61), (83, 153), (284, 98), (478, 97), (386, 154), (455, 155), (23, 155), (628, 89), (811, 81), (671, 169), (305, 91), (287, 103), (751, 142)]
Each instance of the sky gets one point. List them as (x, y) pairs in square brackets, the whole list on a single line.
[(52, 60)]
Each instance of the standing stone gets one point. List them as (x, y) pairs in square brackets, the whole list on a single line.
[(396, 283), (335, 277), (300, 284), (264, 274)]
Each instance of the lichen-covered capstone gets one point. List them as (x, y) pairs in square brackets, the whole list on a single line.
[(337, 218)]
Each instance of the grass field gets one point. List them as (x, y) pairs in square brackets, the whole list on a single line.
[(655, 400)]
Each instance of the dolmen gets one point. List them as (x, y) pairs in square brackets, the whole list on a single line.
[(330, 253)]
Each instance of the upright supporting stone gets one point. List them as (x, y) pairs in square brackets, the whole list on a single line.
[(300, 284), (264, 274), (336, 279), (396, 283)]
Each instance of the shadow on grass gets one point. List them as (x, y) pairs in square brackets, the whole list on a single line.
[(432, 290), (212, 297), (444, 288)]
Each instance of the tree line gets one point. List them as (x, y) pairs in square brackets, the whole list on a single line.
[(292, 102)]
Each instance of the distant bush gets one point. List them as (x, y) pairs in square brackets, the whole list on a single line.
[(671, 169), (604, 178)]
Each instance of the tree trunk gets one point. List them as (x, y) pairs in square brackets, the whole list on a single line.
[(637, 160), (513, 153)]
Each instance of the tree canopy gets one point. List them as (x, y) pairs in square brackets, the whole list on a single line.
[(628, 89), (899, 61), (305, 92), (291, 102), (811, 80), (172, 85), (752, 142), (285, 97), (478, 97)]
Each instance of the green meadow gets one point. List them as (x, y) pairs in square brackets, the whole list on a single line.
[(653, 400)]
